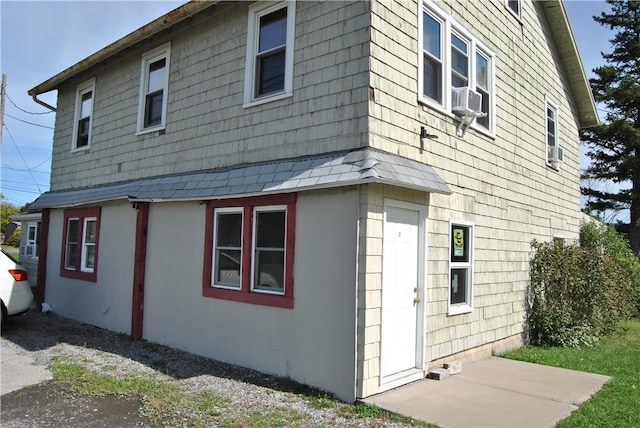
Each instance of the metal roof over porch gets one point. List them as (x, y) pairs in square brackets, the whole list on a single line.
[(283, 176)]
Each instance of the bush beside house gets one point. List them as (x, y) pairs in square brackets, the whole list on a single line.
[(578, 292)]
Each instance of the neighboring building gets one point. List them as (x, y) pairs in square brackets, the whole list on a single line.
[(325, 233), (29, 243)]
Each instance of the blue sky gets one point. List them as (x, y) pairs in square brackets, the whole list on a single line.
[(41, 38)]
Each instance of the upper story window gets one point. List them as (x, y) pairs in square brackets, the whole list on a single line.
[(269, 63), (83, 116), (553, 150), (515, 7), (249, 250), (80, 244), (154, 85), (452, 57)]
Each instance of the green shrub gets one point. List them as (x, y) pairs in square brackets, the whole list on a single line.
[(599, 235), (14, 240), (578, 293)]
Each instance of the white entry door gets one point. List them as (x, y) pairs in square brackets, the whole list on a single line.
[(401, 290)]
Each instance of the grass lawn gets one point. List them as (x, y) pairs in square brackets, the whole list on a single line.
[(617, 404), (14, 251)]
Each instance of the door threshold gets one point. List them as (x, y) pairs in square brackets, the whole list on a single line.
[(399, 379)]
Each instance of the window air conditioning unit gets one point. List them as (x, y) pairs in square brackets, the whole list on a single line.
[(465, 101), (556, 155)]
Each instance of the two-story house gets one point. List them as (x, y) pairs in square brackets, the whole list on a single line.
[(343, 193)]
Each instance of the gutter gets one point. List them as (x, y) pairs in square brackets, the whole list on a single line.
[(42, 103)]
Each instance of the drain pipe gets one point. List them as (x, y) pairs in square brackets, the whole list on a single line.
[(42, 103)]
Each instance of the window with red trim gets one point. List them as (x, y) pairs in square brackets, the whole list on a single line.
[(249, 247), (80, 244)]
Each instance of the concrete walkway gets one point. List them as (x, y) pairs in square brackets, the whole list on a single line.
[(494, 392)]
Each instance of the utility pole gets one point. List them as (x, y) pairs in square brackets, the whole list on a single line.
[(3, 89)]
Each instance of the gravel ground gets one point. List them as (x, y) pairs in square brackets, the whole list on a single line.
[(247, 395)]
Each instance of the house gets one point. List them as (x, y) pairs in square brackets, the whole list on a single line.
[(29, 243), (359, 182)]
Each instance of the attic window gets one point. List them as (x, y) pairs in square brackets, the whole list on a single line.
[(154, 84)]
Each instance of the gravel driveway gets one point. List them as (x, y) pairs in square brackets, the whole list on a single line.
[(248, 398)]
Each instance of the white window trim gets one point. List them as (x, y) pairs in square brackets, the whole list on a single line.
[(550, 102), (148, 58), (225, 210), (88, 86), (256, 11), (449, 25), (467, 307), (31, 243), (254, 233), (518, 14), (85, 245)]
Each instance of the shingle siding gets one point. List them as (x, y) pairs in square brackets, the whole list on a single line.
[(206, 125), (500, 183)]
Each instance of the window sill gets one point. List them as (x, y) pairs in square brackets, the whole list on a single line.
[(267, 99), (515, 15), (84, 276), (459, 310), (425, 102), (555, 168), (278, 301), (159, 128), (80, 149)]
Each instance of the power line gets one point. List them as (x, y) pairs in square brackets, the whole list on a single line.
[(27, 122), (5, 166), (22, 157), (23, 110), (18, 182), (18, 189)]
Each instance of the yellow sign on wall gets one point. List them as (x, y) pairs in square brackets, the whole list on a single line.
[(458, 242)]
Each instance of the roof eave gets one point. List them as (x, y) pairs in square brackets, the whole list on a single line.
[(150, 29), (565, 42)]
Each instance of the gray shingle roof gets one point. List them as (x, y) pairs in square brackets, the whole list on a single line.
[(282, 176)]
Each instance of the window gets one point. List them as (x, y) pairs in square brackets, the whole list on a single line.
[(80, 244), (451, 58), (514, 7), (33, 240), (461, 268), (553, 149), (249, 250), (83, 114), (154, 85), (269, 63)]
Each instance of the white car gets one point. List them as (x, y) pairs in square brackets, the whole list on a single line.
[(15, 292)]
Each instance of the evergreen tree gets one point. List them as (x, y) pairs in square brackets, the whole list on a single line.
[(615, 145)]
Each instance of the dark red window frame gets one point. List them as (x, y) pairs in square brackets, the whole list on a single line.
[(77, 273), (245, 294)]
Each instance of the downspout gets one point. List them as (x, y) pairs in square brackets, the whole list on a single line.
[(42, 103), (42, 261)]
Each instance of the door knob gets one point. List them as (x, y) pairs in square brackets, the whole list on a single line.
[(416, 300)]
